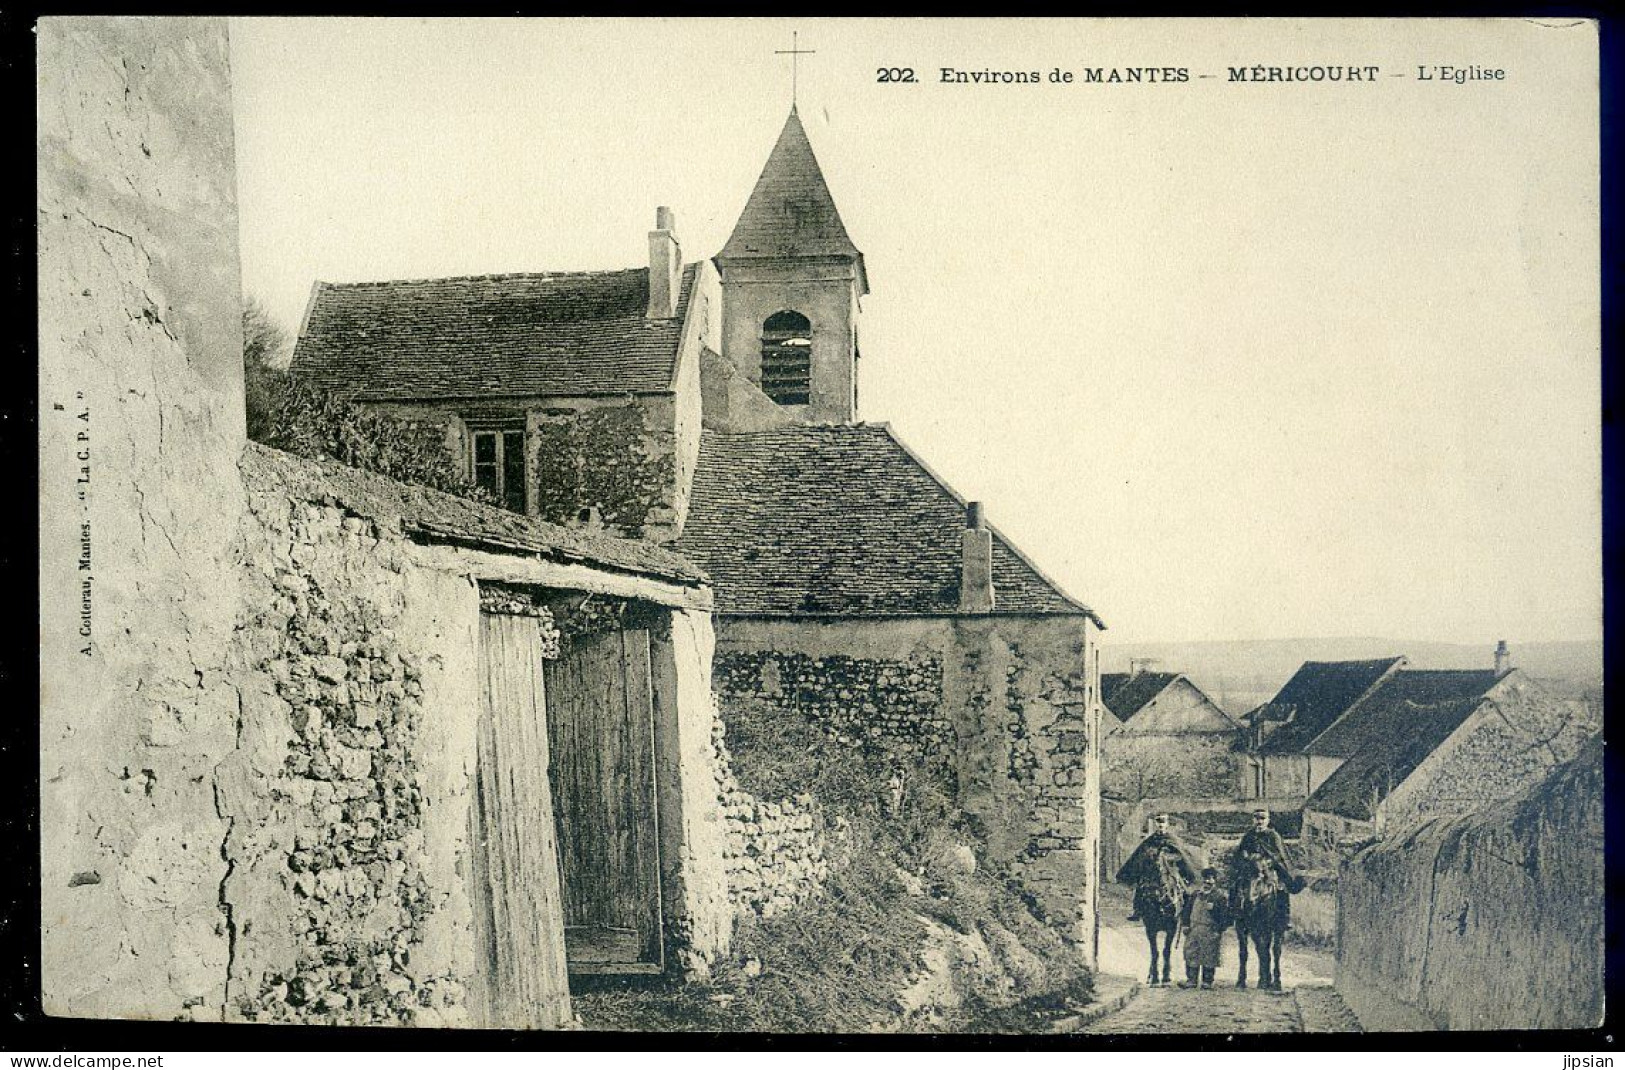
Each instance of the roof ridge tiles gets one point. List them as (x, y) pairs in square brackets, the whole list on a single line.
[(492, 275), (795, 429)]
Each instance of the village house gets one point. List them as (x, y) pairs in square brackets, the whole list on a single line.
[(1277, 735), (712, 406), (1436, 743), (1169, 739), (1165, 746)]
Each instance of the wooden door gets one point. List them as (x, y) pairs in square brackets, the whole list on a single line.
[(600, 721), (513, 867)]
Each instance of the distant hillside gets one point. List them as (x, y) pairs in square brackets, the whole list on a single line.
[(1240, 674)]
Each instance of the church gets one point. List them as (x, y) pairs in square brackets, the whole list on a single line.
[(710, 406)]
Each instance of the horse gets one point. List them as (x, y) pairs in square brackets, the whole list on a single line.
[(1159, 897), (1256, 899)]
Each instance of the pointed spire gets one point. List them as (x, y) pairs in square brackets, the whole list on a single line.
[(790, 213)]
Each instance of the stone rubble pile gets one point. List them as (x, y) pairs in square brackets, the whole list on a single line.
[(775, 851)]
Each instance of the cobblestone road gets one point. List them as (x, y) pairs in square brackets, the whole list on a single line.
[(1310, 1004), (1217, 1010)]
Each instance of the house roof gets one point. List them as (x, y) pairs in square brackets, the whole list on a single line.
[(840, 520), (1385, 737), (1317, 694), (790, 212), (1126, 694), (570, 334), (1576, 785), (435, 516)]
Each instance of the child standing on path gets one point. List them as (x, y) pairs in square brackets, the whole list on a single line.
[(1205, 918)]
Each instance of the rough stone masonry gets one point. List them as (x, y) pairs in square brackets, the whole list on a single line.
[(260, 674), (997, 711), (327, 791)]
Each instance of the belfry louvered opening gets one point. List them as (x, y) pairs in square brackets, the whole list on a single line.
[(787, 358)]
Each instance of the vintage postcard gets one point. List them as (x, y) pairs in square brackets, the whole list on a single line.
[(1077, 527)]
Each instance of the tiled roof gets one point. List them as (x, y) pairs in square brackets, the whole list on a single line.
[(435, 516), (840, 520), (1318, 694), (1127, 694), (790, 212), (1407, 691), (567, 334), (1387, 736)]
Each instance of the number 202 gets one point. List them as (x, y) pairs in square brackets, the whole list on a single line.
[(895, 74)]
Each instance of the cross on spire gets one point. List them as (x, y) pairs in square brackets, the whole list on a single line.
[(795, 53)]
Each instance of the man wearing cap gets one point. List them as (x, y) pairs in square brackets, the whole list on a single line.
[(1203, 920), (1144, 864), (1264, 842)]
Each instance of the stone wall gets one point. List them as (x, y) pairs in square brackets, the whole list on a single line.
[(140, 371), (701, 335), (1116, 816), (889, 708), (1002, 712), (1026, 716), (775, 850), (348, 793), (1328, 830), (694, 839), (1493, 921), (1286, 775), (734, 403), (621, 457)]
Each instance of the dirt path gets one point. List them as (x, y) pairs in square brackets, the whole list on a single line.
[(1309, 1003)]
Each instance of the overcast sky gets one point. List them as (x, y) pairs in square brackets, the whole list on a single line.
[(1229, 361)]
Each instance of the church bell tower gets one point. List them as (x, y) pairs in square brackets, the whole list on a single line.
[(791, 283)]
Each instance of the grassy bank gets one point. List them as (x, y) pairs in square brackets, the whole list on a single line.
[(904, 936)]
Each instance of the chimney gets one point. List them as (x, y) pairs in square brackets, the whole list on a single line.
[(1138, 665), (976, 572), (665, 266), (1503, 659)]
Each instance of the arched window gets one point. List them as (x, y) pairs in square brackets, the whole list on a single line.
[(787, 358)]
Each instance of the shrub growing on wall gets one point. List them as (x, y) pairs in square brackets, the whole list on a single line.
[(314, 423)]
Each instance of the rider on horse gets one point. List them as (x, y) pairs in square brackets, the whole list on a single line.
[(1161, 851), (1161, 870), (1265, 843), (1262, 884)]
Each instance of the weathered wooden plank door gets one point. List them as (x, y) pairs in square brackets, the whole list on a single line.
[(513, 867), (600, 721)]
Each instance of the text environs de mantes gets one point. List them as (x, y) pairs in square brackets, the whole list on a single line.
[(960, 76)]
